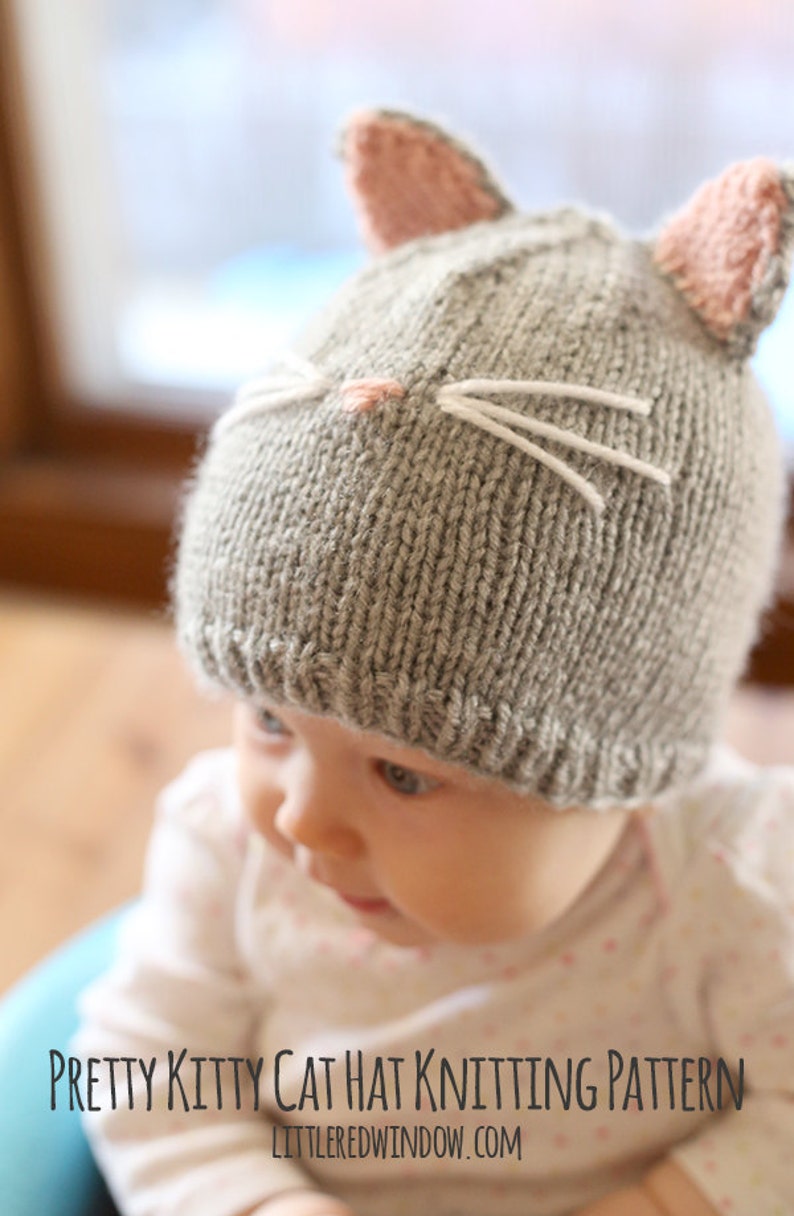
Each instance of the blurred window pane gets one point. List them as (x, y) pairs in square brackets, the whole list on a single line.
[(196, 215)]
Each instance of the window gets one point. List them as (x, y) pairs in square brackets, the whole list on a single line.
[(178, 209), (196, 214)]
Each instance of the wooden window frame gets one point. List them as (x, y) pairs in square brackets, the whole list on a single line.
[(88, 496)]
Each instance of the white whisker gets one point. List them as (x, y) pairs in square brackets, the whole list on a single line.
[(261, 396), (302, 366), (552, 388), (271, 383), (546, 430), (461, 410), (271, 393)]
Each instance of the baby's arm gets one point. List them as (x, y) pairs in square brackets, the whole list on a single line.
[(665, 1191), (179, 983), (731, 935)]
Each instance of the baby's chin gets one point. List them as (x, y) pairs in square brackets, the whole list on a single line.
[(399, 930)]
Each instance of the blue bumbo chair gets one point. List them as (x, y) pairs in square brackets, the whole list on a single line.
[(46, 1167)]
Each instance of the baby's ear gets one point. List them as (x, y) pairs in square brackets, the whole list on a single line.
[(409, 179), (728, 250)]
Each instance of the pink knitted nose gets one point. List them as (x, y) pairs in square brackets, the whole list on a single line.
[(358, 396)]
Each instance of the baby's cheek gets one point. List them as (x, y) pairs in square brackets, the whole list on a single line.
[(511, 899), (419, 893), (461, 909)]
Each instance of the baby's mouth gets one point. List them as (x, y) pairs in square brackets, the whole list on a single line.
[(365, 905), (368, 907)]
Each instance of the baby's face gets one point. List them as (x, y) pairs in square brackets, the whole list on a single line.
[(419, 850)]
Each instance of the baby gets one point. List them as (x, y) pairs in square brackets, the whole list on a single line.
[(476, 916)]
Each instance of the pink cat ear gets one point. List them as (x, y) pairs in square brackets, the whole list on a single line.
[(728, 250), (409, 179)]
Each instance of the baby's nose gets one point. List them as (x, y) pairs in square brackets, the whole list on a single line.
[(317, 821)]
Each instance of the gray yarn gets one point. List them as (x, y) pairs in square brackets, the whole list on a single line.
[(412, 575)]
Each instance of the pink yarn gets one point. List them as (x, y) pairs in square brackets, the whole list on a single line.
[(717, 249), (358, 396), (408, 180)]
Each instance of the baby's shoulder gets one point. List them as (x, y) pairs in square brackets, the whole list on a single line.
[(735, 821)]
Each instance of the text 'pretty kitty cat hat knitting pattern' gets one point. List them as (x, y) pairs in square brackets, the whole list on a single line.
[(512, 497)]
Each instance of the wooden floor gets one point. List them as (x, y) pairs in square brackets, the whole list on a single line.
[(96, 714)]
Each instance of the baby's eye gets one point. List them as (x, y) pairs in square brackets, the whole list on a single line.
[(269, 722), (405, 780)]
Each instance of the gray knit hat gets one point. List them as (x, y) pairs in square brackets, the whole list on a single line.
[(512, 498)]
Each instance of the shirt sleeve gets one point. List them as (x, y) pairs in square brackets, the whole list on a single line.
[(179, 984), (735, 926)]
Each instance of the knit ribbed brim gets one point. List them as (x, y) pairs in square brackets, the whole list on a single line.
[(412, 574)]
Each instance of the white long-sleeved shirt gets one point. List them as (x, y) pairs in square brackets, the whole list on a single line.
[(667, 989)]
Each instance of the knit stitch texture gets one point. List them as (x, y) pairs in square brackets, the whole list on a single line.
[(409, 573)]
